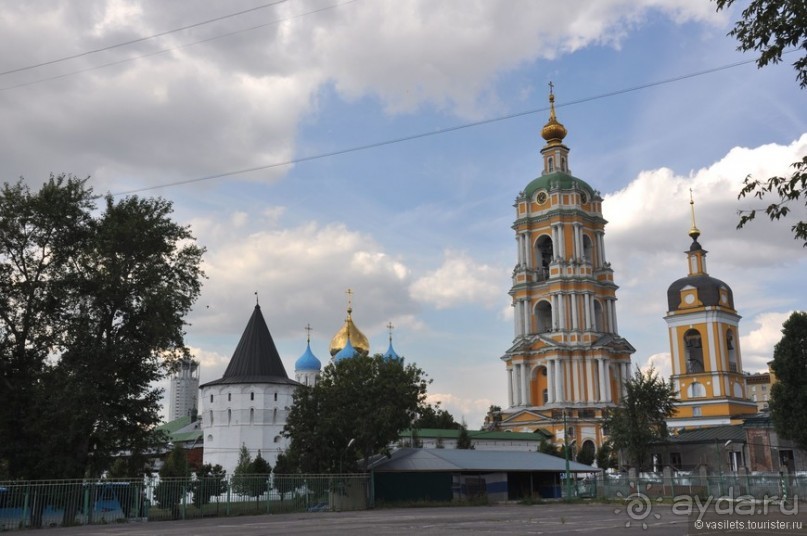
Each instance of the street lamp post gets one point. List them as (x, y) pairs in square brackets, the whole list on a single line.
[(566, 454)]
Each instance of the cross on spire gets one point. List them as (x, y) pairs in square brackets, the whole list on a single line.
[(390, 327), (308, 330)]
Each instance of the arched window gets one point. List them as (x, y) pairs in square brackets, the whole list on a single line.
[(550, 164), (543, 317), (588, 250), (544, 253), (562, 163), (696, 390), (229, 397), (730, 347), (252, 395), (251, 415), (274, 415), (229, 416), (599, 317), (694, 351), (211, 417)]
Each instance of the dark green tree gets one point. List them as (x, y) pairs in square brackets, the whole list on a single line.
[(586, 454), (772, 27), (547, 447), (641, 417), (286, 475), (240, 480), (369, 400), (91, 316), (431, 416), (606, 457), (789, 394), (174, 481), (464, 438), (256, 483), (211, 480)]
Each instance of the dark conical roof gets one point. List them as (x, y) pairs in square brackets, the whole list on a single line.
[(255, 359)]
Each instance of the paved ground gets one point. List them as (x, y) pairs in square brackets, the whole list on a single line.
[(595, 519)]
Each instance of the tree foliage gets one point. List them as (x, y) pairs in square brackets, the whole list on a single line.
[(772, 27), (174, 481), (586, 454), (430, 416), (606, 456), (91, 316), (789, 395), (547, 447), (286, 475), (369, 400), (464, 438), (641, 417), (210, 482)]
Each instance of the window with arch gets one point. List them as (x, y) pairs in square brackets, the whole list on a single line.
[(599, 317), (696, 390), (211, 416), (209, 438), (543, 317), (275, 396), (274, 415), (229, 416), (251, 415), (211, 399), (544, 253), (694, 351), (229, 397), (252, 395), (277, 439), (730, 348), (738, 390), (563, 163), (550, 164), (588, 249)]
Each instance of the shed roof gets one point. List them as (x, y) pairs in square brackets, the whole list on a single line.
[(733, 432), (410, 460)]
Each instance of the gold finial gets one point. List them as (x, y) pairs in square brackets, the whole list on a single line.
[(553, 132), (694, 232), (390, 327), (308, 330)]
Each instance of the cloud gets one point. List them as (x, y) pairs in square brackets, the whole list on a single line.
[(660, 363), (473, 410), (459, 280), (757, 345)]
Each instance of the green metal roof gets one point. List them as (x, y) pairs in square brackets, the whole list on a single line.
[(557, 180), (452, 433)]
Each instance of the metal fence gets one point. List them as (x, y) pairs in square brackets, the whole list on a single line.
[(771, 486), (37, 504)]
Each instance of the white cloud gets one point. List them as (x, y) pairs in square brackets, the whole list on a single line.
[(757, 345), (473, 410), (459, 280), (661, 363)]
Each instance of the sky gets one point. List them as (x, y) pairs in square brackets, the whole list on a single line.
[(318, 145)]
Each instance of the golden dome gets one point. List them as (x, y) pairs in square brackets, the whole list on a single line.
[(553, 131), (357, 338)]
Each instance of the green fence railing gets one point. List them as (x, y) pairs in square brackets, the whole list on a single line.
[(37, 504)]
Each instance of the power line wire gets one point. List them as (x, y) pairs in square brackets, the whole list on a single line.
[(140, 39), (178, 47), (437, 132)]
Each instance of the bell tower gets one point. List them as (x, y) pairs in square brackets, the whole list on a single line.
[(567, 361), (703, 326)]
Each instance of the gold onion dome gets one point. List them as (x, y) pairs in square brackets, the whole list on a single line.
[(553, 131), (349, 330)]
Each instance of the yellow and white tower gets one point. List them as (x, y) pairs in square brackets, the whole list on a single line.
[(707, 368), (567, 361)]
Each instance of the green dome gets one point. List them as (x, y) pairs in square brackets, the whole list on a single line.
[(558, 181)]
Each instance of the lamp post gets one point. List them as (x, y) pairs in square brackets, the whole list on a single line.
[(566, 454), (342, 458)]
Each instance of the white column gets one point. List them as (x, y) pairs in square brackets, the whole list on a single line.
[(525, 251), (609, 314), (555, 309), (607, 367), (602, 247), (561, 249), (559, 395), (561, 312), (525, 377), (510, 386), (625, 376), (614, 327), (601, 368), (573, 305), (587, 310), (575, 379), (590, 380), (527, 310), (550, 381)]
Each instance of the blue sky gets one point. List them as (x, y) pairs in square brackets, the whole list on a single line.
[(419, 229)]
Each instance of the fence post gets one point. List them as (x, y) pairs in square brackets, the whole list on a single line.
[(229, 490)]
